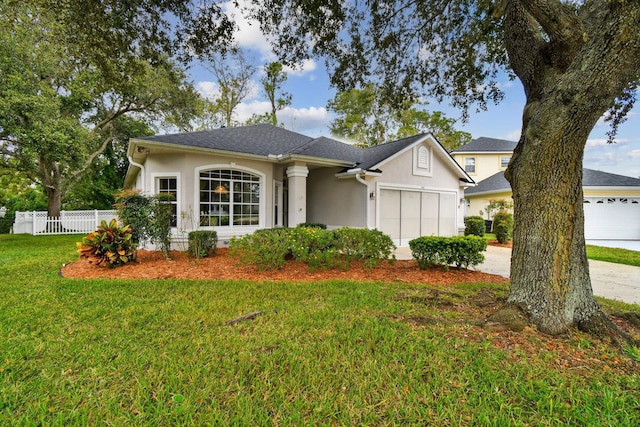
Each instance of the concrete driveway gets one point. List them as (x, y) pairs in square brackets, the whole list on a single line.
[(613, 281)]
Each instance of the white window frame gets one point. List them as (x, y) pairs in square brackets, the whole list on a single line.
[(467, 164), (232, 167), (155, 179), (277, 203), (504, 164)]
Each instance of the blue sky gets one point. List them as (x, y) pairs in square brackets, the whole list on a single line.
[(310, 89)]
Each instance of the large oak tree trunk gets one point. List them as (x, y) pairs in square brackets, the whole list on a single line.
[(549, 269), (52, 183), (570, 79)]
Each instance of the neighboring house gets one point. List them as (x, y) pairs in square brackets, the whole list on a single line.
[(611, 202), (238, 180), (483, 157)]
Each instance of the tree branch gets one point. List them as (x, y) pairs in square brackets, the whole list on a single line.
[(557, 19), (524, 44), (78, 172)]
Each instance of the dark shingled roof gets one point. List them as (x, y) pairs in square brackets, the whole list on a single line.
[(487, 144), (264, 139), (373, 155), (594, 178), (260, 139), (590, 178), (330, 149)]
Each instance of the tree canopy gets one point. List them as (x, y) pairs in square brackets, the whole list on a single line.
[(364, 118), (61, 106), (575, 60), (233, 75)]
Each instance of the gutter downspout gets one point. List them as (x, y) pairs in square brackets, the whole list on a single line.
[(366, 198), (141, 170)]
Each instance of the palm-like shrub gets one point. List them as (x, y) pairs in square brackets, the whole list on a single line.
[(110, 244)]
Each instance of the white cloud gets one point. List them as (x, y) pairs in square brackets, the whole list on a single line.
[(248, 34), (602, 142), (311, 121), (307, 66), (209, 90), (634, 154), (245, 110)]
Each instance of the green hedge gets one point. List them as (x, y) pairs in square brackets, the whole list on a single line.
[(269, 249), (474, 225), (461, 251), (202, 242), (503, 226)]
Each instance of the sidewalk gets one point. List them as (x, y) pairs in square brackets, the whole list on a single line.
[(613, 281)]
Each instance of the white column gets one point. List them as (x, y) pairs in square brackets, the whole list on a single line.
[(297, 175)]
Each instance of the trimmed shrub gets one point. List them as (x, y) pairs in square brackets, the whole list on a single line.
[(503, 226), (461, 251), (474, 225), (369, 246), (202, 242), (109, 244), (313, 245), (312, 225), (267, 249)]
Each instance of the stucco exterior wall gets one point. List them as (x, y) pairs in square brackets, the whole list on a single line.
[(478, 205), (487, 164), (399, 172), (335, 202), (185, 167)]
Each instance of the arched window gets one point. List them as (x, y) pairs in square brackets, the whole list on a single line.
[(229, 198)]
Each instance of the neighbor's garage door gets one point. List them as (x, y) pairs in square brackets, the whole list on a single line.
[(407, 214), (615, 218)]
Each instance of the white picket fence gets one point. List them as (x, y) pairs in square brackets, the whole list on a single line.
[(69, 222)]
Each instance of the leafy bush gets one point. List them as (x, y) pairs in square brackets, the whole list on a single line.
[(270, 248), (109, 243), (369, 246), (312, 225), (461, 251), (134, 209), (313, 245), (149, 217), (31, 199), (159, 225), (474, 225), (503, 226), (267, 249), (202, 242)]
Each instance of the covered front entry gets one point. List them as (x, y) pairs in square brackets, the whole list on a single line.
[(407, 214), (612, 218)]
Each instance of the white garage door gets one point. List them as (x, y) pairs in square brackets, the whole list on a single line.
[(615, 218), (407, 214)]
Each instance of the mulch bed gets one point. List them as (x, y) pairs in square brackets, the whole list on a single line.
[(152, 265)]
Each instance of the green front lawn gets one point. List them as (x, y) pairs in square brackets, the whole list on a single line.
[(619, 256), (601, 253), (154, 352)]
